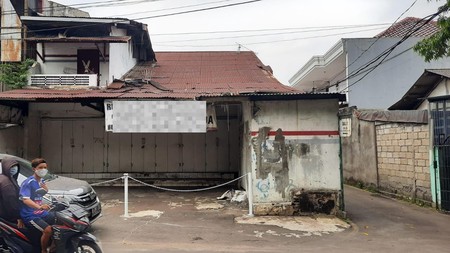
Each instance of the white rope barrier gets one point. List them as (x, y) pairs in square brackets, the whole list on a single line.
[(125, 177)]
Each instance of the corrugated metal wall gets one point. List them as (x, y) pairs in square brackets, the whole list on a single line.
[(82, 146)]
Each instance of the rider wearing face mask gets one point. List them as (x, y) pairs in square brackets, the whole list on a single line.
[(9, 192), (34, 213)]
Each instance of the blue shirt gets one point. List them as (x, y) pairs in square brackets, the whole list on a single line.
[(28, 190)]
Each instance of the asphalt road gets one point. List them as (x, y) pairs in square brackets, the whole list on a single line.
[(175, 222)]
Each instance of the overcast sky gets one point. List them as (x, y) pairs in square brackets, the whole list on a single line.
[(284, 34)]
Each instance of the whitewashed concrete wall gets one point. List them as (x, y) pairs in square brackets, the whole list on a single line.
[(121, 56), (295, 145)]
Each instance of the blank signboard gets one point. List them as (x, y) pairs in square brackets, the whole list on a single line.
[(159, 117)]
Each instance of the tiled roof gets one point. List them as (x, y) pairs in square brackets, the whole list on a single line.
[(178, 75), (406, 25)]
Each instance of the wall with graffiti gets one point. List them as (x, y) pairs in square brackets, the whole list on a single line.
[(294, 145)]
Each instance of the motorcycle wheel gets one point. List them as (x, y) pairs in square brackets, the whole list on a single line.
[(87, 247)]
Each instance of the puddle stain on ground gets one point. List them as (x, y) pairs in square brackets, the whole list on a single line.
[(208, 206), (153, 213), (309, 226)]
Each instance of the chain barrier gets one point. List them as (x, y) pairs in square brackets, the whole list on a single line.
[(192, 190), (125, 177), (107, 182)]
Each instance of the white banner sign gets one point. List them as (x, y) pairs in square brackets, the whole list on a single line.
[(155, 116)]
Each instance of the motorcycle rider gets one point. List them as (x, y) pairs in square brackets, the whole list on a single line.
[(9, 192), (33, 212)]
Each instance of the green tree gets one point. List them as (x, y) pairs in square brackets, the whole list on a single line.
[(15, 75), (437, 45)]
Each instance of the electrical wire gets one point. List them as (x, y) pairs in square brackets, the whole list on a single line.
[(271, 29), (119, 20), (370, 46), (274, 41), (263, 34), (89, 5), (385, 54)]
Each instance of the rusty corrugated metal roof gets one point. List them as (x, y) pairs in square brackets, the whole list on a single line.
[(209, 72), (178, 75), (109, 39), (406, 25)]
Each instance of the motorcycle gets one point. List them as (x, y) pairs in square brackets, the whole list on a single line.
[(69, 232)]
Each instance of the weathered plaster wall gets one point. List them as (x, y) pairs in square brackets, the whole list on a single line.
[(11, 37), (359, 153), (246, 141), (295, 145)]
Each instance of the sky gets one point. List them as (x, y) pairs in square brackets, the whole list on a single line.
[(284, 34)]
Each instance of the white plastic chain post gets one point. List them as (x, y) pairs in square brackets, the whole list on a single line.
[(250, 194), (125, 178)]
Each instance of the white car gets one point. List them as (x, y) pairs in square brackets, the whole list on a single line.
[(74, 190)]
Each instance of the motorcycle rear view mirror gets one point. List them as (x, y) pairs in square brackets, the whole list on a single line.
[(41, 191)]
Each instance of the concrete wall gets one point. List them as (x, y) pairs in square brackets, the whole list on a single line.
[(295, 148), (53, 9), (246, 157), (359, 154), (121, 55), (388, 156), (385, 85), (11, 140), (403, 159)]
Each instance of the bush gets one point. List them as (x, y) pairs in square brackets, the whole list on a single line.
[(15, 75)]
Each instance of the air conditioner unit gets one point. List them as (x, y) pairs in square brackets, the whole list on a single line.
[(63, 79)]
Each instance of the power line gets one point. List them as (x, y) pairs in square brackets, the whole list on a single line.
[(127, 20), (386, 53), (266, 34), (264, 30), (173, 8), (274, 41), (370, 46), (90, 5), (198, 10)]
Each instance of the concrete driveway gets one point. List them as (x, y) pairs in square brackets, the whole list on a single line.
[(198, 222)]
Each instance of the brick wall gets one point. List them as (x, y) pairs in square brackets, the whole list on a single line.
[(403, 159)]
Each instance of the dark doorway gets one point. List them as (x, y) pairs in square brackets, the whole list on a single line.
[(88, 61)]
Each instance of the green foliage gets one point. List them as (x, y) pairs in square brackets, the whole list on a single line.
[(15, 75), (437, 46)]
